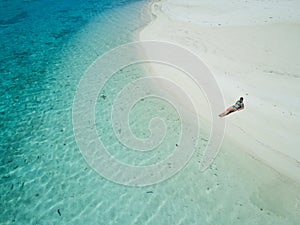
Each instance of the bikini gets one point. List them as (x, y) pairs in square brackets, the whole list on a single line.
[(237, 103)]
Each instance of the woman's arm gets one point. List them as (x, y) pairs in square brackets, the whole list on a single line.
[(241, 107)]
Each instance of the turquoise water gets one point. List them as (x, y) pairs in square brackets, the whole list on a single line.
[(46, 46)]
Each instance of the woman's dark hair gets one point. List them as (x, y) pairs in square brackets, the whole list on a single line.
[(241, 98)]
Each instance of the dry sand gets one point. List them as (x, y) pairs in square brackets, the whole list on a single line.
[(252, 49)]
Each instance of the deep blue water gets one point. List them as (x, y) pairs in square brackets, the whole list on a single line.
[(33, 33)]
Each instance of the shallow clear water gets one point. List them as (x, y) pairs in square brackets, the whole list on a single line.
[(46, 46)]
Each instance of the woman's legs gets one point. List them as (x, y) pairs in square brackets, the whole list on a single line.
[(228, 111), (222, 114)]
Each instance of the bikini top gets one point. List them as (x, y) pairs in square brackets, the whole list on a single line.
[(239, 103)]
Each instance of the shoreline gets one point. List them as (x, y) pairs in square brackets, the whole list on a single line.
[(245, 61)]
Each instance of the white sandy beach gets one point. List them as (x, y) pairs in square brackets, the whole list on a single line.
[(252, 49)]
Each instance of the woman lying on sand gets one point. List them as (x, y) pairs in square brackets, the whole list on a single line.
[(239, 105)]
